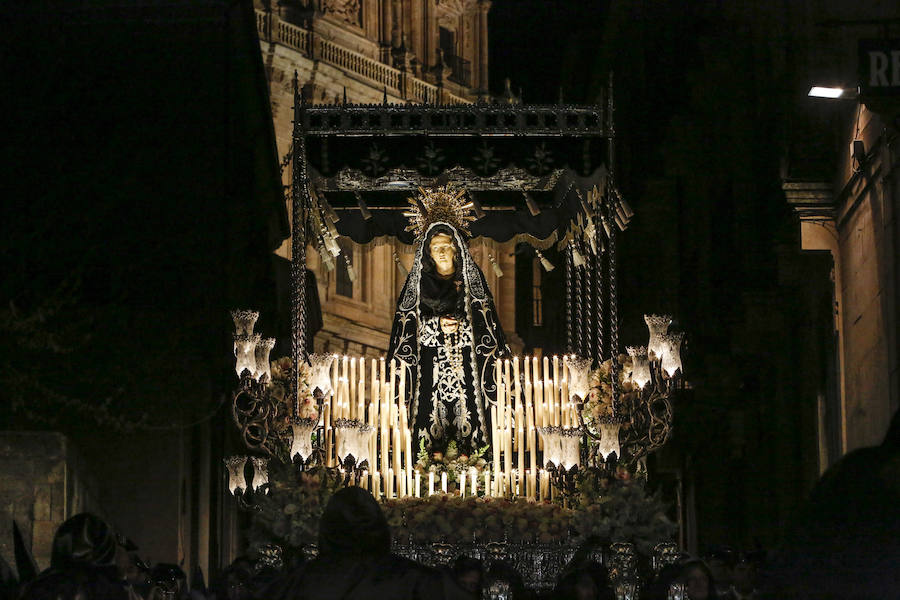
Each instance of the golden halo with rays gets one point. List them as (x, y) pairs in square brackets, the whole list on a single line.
[(444, 204)]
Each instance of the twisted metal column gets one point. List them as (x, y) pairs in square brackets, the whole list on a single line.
[(579, 315), (299, 204), (591, 302), (613, 314), (611, 258), (598, 289), (570, 264)]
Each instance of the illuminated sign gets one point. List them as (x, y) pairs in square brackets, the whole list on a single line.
[(879, 67)]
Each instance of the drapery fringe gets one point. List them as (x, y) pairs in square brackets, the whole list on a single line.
[(401, 248)]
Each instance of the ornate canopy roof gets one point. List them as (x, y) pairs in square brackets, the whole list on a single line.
[(528, 169)]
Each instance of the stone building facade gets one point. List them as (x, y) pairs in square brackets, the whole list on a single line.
[(43, 482), (374, 51), (841, 179)]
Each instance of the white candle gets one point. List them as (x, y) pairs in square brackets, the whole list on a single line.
[(361, 392), (353, 388), (541, 484), (376, 485), (462, 484), (430, 483), (487, 482), (345, 374), (418, 493), (396, 457), (473, 475), (401, 395), (408, 438), (444, 482), (557, 401), (335, 386), (389, 483), (401, 483), (495, 445)]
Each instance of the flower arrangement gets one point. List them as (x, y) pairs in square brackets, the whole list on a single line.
[(460, 520), (289, 514), (598, 406), (451, 460), (614, 508), (281, 383)]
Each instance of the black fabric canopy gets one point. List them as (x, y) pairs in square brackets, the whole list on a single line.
[(538, 174), (528, 169), (505, 214)]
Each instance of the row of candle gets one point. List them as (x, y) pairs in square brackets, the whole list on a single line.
[(531, 393), (532, 484)]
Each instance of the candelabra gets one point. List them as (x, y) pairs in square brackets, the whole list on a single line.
[(630, 415)]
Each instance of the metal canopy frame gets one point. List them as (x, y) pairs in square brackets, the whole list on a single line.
[(590, 274), (480, 120)]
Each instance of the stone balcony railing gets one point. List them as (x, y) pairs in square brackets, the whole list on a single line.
[(379, 75)]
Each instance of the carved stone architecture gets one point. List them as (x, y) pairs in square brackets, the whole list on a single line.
[(374, 51)]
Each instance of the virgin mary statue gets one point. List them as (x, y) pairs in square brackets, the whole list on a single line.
[(446, 332)]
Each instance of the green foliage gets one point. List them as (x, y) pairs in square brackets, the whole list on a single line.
[(449, 461)]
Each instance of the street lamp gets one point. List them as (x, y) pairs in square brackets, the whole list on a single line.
[(833, 93)]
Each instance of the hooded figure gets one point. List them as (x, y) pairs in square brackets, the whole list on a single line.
[(82, 564), (355, 562), (448, 337)]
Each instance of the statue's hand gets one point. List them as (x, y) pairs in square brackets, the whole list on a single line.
[(449, 325)]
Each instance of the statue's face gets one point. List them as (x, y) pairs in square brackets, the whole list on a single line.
[(443, 252)]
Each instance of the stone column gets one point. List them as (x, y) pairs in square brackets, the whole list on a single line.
[(396, 23), (431, 34), (480, 79), (385, 29)]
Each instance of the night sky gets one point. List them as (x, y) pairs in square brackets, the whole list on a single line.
[(544, 45)]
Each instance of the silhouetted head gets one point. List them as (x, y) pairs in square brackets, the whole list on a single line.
[(698, 580), (468, 573), (353, 525), (84, 540)]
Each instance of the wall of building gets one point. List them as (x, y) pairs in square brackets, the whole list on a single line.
[(43, 481), (866, 202)]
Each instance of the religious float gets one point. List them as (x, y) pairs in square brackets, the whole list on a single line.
[(471, 450)]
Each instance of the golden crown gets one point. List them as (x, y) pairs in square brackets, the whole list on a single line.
[(443, 204)]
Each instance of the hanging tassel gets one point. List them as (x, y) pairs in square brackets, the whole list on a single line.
[(400, 267), (497, 270), (363, 208), (329, 210), (548, 266), (476, 206), (351, 272), (331, 243), (325, 256), (606, 227), (626, 208), (577, 258), (590, 232), (532, 205), (328, 261), (620, 213)]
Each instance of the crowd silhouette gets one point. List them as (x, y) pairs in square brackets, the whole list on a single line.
[(90, 561), (844, 545)]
